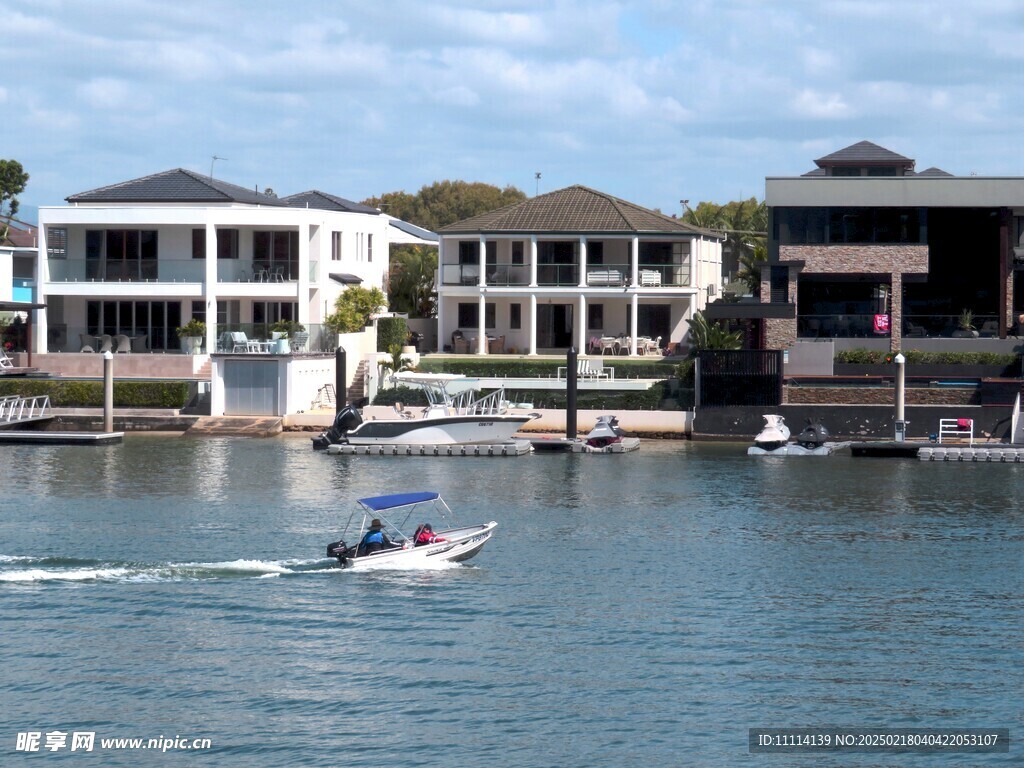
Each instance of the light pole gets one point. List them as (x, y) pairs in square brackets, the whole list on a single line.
[(901, 424)]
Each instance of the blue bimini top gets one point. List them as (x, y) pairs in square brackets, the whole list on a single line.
[(379, 503)]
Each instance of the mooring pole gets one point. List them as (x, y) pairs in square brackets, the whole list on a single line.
[(108, 391), (340, 380), (901, 424), (570, 394)]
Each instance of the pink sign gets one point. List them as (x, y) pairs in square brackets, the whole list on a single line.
[(881, 323)]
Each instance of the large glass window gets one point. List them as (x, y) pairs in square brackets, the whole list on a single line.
[(150, 324), (469, 315), (277, 253), (335, 246)]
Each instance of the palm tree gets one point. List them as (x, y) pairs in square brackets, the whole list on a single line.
[(411, 281), (705, 335)]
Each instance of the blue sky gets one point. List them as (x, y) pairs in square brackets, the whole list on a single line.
[(650, 101)]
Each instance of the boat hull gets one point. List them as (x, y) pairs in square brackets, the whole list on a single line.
[(460, 545), (444, 430)]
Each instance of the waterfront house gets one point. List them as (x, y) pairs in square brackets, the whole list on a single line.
[(866, 251), (569, 268), (142, 257)]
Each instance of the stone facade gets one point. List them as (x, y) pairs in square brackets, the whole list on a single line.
[(880, 396)]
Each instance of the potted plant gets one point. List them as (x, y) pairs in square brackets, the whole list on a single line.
[(192, 335), (290, 334), (966, 325)]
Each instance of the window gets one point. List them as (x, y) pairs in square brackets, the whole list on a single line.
[(198, 243), (369, 247), (517, 252), (469, 252), (57, 242), (469, 315), (595, 253), (276, 251), (335, 246), (595, 317), (515, 316), (154, 320), (227, 243)]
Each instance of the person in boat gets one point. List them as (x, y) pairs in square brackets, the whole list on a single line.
[(425, 535), (375, 539)]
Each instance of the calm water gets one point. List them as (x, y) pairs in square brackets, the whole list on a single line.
[(639, 609)]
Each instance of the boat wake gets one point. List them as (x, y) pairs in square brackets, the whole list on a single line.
[(29, 570)]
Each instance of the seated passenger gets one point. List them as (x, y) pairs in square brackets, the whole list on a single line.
[(425, 535), (375, 539)]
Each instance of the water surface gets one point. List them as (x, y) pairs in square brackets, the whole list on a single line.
[(645, 608)]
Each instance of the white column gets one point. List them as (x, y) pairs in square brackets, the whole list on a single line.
[(210, 287), (532, 326), (635, 262), (304, 266), (583, 262), (40, 327), (533, 272), (481, 336), (442, 328), (482, 277), (581, 336), (635, 309)]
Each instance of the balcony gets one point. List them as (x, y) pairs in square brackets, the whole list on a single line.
[(567, 274), (166, 270)]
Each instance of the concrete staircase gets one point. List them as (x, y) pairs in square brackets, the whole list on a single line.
[(235, 426), (357, 387)]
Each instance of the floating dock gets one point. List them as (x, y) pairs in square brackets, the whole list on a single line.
[(579, 445), (997, 453), (38, 437), (514, 448)]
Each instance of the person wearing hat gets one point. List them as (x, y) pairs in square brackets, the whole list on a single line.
[(375, 539)]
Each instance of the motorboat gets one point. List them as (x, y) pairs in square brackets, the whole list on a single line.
[(390, 515), (774, 435), (454, 415)]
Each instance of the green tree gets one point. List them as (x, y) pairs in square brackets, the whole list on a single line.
[(445, 202), (411, 280), (706, 216), (353, 309), (705, 335), (12, 183)]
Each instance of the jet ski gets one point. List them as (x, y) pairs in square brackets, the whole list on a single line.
[(774, 435), (814, 435)]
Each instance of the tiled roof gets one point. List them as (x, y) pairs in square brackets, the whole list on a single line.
[(815, 172), (325, 202), (21, 235), (864, 153), (575, 209), (175, 186), (933, 171)]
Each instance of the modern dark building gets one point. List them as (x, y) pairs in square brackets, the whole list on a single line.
[(866, 247)]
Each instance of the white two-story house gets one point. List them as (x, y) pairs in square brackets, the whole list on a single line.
[(569, 268), (142, 257)]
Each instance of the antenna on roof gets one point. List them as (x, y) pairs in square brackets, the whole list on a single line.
[(214, 160), (536, 178)]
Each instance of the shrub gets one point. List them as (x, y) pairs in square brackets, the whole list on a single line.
[(862, 356), (192, 328), (391, 331), (78, 393)]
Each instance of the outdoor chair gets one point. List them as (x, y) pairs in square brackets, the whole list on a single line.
[(5, 361), (496, 346), (124, 344), (914, 330), (989, 328), (88, 340), (106, 343), (652, 347), (240, 343), (139, 343)]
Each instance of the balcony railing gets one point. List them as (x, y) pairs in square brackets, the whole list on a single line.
[(568, 274), (949, 326), (126, 271), (837, 326)]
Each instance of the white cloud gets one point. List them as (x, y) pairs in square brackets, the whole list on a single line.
[(104, 93)]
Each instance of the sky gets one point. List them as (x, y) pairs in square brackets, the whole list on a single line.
[(654, 102)]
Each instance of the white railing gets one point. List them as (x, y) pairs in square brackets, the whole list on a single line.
[(957, 428), (18, 408)]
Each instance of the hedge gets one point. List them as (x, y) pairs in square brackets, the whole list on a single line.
[(861, 356), (391, 331), (73, 393)]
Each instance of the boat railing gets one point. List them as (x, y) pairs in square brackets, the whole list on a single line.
[(493, 404), (18, 408)]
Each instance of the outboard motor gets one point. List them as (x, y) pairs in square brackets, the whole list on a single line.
[(338, 549), (814, 435), (605, 432), (348, 418)]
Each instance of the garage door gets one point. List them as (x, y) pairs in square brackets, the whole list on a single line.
[(251, 388)]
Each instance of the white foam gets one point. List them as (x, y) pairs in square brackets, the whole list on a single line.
[(76, 574), (16, 559)]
